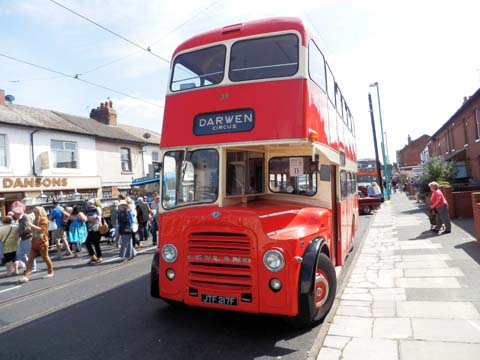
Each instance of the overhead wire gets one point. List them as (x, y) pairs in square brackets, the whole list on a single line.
[(76, 77), (147, 49), (198, 13)]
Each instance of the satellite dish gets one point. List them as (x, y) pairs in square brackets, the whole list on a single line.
[(10, 98), (147, 136)]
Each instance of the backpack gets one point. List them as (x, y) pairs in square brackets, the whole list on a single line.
[(65, 217)]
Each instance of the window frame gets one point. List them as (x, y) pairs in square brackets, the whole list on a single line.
[(179, 56), (232, 49), (6, 154), (54, 151), (313, 46), (477, 122), (129, 161), (285, 177)]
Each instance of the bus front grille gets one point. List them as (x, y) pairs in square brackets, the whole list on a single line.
[(220, 260)]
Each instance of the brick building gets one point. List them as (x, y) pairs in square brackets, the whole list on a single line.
[(458, 140), (409, 156)]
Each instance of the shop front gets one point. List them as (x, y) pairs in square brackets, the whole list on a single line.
[(43, 190)]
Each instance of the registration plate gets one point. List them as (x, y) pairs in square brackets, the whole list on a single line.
[(219, 299)]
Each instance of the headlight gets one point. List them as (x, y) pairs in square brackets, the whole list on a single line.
[(273, 260), (169, 253)]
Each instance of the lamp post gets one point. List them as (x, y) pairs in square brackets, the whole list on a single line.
[(387, 178), (377, 161)]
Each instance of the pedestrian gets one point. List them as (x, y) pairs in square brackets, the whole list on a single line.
[(9, 240), (77, 230), (156, 211), (24, 230), (440, 206), (143, 216), (93, 237), (131, 206), (125, 221), (370, 191), (60, 216), (39, 231), (113, 222), (376, 192)]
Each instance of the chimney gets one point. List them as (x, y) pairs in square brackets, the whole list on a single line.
[(105, 113), (409, 140), (465, 99), (2, 97)]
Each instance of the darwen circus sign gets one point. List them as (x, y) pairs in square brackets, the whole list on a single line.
[(224, 122), (33, 182)]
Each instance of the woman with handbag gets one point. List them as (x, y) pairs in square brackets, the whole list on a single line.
[(9, 238), (77, 230), (39, 243)]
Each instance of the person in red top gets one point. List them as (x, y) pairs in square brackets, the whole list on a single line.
[(440, 206)]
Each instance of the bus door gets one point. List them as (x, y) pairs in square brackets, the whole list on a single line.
[(335, 214)]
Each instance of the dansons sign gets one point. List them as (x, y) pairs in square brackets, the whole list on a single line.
[(33, 182), (224, 122)]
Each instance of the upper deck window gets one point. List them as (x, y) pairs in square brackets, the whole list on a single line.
[(199, 68), (263, 58), (316, 66)]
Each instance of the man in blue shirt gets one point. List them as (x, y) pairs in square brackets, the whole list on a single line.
[(58, 235)]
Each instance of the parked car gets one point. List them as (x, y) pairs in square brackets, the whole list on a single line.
[(367, 203)]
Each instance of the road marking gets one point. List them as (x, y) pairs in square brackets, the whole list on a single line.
[(12, 288)]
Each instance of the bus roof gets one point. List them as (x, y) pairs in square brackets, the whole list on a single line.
[(245, 29)]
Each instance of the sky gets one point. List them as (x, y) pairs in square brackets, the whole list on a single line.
[(424, 55)]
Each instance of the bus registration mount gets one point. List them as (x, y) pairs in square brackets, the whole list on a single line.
[(224, 122), (219, 299)]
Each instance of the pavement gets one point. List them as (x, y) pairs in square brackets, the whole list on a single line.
[(410, 293)]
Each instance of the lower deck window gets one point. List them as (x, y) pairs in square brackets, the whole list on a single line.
[(293, 175), (244, 172)]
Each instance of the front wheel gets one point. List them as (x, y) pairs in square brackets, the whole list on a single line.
[(367, 210), (315, 305)]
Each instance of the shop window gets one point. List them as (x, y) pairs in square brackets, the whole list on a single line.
[(154, 155), (64, 154), (126, 159)]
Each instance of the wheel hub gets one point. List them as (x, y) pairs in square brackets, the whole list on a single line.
[(321, 288)]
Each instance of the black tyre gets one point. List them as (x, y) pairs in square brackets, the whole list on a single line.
[(154, 277), (367, 210), (314, 306)]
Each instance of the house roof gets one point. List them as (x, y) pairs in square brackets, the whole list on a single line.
[(54, 120), (466, 103)]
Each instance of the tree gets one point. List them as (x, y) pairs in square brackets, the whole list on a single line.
[(437, 170)]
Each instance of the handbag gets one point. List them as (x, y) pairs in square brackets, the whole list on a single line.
[(38, 244), (103, 228)]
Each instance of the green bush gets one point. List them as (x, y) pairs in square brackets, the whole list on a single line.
[(436, 170)]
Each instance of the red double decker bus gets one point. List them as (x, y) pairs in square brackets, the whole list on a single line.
[(258, 184)]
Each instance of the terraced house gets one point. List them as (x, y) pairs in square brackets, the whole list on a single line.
[(47, 153)]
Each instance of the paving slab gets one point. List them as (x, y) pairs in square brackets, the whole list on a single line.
[(451, 330), (370, 349), (437, 310), (429, 350)]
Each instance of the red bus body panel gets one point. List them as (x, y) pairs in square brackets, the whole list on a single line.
[(208, 237), (245, 231), (250, 28)]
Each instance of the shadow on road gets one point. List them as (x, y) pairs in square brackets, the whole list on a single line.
[(472, 248), (126, 323)]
